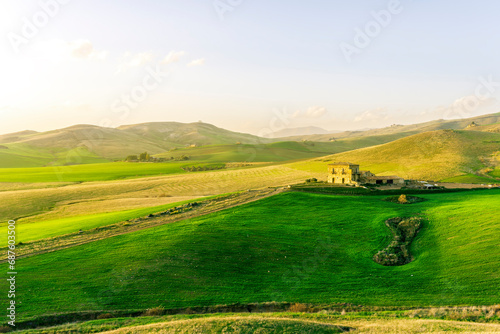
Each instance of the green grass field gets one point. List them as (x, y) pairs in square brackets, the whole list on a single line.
[(22, 155), (50, 228), (293, 247), (90, 172)]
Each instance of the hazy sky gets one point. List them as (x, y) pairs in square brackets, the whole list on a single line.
[(246, 65)]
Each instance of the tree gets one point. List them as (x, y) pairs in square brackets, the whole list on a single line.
[(144, 156), (402, 199), (131, 158)]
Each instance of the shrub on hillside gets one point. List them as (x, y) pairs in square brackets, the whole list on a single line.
[(312, 180), (297, 307), (105, 316), (5, 329), (155, 311), (404, 199), (397, 253), (132, 158)]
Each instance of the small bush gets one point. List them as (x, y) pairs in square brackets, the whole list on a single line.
[(189, 311), (160, 310), (297, 307), (402, 199), (105, 316)]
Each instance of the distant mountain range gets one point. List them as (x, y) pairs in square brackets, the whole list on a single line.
[(301, 131)]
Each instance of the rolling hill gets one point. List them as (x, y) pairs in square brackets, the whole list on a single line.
[(274, 152), (87, 144), (406, 130), (487, 128), (301, 131), (91, 144), (84, 144), (434, 155), (181, 134)]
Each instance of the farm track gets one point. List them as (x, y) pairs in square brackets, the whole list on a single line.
[(79, 238)]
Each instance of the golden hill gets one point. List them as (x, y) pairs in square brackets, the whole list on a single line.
[(434, 155)]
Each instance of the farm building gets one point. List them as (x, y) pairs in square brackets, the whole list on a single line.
[(392, 179), (349, 174), (344, 173)]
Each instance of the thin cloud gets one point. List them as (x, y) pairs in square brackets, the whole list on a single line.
[(83, 49), (197, 62), (130, 60), (465, 107), (59, 50), (311, 112), (378, 114), (173, 57)]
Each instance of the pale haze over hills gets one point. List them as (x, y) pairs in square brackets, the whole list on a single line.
[(89, 143)]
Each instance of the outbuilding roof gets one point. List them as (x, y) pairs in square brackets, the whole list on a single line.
[(389, 177), (342, 164)]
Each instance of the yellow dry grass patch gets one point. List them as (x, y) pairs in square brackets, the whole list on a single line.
[(239, 324), (25, 203), (8, 186), (393, 326)]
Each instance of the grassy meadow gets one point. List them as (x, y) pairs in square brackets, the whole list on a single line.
[(18, 155), (89, 172), (32, 229), (293, 247)]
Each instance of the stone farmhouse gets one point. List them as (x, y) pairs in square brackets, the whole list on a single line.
[(349, 174)]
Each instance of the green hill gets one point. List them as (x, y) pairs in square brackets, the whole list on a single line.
[(435, 155), (84, 144), (274, 152), (90, 144), (487, 128), (183, 134), (292, 247)]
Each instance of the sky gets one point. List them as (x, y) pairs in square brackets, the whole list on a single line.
[(254, 66)]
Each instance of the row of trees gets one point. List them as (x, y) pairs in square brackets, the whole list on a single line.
[(203, 168), (145, 157)]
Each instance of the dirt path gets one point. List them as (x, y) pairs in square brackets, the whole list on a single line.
[(75, 239)]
